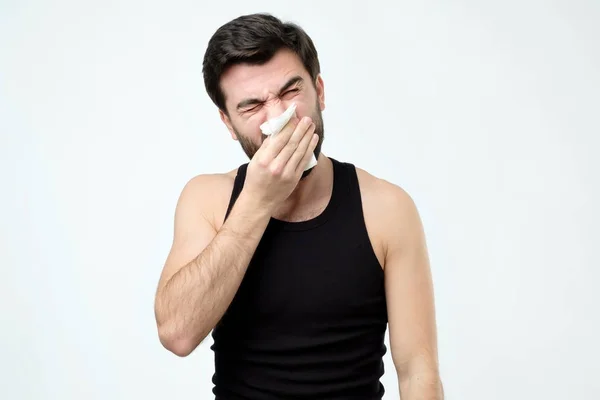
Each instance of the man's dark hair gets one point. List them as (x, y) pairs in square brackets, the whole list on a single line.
[(253, 39)]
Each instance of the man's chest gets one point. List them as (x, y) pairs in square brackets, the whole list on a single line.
[(299, 278)]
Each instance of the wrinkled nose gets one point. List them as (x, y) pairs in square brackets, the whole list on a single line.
[(274, 109)]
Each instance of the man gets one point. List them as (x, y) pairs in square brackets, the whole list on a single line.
[(297, 273)]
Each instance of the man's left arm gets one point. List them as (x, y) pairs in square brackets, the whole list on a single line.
[(410, 299)]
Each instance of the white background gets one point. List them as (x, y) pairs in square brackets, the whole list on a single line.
[(487, 113)]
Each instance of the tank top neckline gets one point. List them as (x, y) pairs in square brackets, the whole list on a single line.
[(339, 184), (340, 188)]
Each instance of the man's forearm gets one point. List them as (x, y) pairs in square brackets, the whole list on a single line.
[(192, 301)]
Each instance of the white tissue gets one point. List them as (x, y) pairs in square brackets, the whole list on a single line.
[(275, 125)]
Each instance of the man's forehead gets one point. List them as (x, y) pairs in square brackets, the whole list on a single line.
[(251, 80)]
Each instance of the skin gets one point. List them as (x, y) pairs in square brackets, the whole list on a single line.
[(208, 258)]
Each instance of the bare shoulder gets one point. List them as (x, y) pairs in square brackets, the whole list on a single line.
[(390, 213), (384, 195), (207, 196)]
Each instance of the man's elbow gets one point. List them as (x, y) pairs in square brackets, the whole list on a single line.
[(178, 347), (179, 344)]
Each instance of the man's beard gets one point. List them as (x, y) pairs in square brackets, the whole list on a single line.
[(250, 148)]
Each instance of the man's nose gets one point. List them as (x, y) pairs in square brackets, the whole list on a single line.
[(275, 108)]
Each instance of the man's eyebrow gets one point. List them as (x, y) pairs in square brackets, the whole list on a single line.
[(248, 102), (291, 82), (253, 101)]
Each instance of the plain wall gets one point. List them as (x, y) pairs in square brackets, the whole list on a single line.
[(487, 113)]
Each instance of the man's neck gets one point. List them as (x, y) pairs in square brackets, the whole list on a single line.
[(316, 185)]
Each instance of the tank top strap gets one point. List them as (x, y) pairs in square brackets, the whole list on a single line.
[(238, 185), (352, 200), (353, 189)]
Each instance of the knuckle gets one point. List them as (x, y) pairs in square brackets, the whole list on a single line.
[(276, 169), (262, 163), (288, 177)]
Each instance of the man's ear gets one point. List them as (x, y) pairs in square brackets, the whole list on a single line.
[(227, 123), (320, 87)]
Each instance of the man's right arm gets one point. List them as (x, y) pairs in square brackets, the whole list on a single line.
[(205, 267)]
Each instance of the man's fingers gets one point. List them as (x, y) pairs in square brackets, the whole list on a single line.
[(289, 137), (309, 154), (303, 154), (295, 144)]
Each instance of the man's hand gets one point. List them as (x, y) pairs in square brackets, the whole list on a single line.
[(277, 166)]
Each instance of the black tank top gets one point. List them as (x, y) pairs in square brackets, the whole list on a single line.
[(309, 318)]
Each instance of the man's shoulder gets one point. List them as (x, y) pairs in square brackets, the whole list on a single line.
[(209, 193), (388, 210), (211, 180), (383, 194), (387, 206), (208, 183)]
